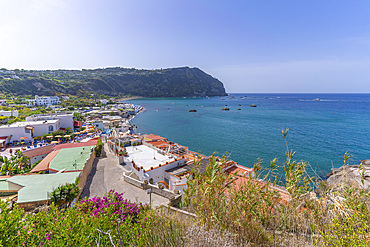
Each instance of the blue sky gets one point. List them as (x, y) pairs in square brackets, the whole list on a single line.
[(251, 46)]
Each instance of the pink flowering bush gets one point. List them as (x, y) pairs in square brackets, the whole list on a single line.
[(112, 203), (82, 225)]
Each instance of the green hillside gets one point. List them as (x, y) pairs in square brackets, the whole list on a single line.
[(172, 82)]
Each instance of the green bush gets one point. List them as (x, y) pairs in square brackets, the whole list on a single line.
[(98, 148)]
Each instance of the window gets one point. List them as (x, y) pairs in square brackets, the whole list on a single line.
[(51, 128)]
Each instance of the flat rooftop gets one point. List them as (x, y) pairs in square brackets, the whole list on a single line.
[(68, 157), (144, 156), (37, 187), (27, 123), (4, 185)]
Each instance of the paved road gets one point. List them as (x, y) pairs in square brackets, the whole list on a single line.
[(106, 174)]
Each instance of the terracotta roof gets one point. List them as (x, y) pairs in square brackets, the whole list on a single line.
[(238, 170), (44, 164), (91, 142), (157, 142), (154, 137), (38, 151)]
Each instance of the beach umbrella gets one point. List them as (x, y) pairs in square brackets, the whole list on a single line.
[(58, 136), (90, 134), (67, 136), (76, 133), (24, 138), (54, 142), (49, 137)]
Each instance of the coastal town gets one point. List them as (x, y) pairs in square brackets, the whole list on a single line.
[(66, 153), (49, 150)]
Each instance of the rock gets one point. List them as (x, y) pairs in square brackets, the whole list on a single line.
[(192, 110), (253, 105), (348, 174), (239, 109), (365, 162)]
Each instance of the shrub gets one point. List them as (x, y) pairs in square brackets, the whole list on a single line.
[(99, 148), (64, 195), (108, 220)]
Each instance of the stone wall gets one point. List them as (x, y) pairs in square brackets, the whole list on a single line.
[(86, 172), (162, 192), (27, 206)]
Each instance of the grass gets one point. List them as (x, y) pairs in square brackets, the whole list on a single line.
[(252, 213)]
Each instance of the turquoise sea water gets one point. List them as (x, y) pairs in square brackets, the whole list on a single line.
[(319, 131)]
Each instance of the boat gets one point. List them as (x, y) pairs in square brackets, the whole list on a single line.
[(243, 98), (317, 99), (223, 98)]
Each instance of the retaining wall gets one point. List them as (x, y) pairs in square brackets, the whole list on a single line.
[(162, 192), (86, 171)]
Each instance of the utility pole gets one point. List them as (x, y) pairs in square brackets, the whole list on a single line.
[(149, 191)]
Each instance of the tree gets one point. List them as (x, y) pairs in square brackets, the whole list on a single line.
[(64, 195)]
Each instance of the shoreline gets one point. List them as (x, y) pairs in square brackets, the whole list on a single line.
[(130, 98)]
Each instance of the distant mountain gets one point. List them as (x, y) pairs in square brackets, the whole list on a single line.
[(172, 82)]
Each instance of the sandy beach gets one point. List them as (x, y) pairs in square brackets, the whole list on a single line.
[(130, 98)]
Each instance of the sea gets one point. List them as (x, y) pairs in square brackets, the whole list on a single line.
[(322, 127)]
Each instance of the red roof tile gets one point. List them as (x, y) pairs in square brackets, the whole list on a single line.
[(91, 142), (154, 137), (38, 151), (44, 164)]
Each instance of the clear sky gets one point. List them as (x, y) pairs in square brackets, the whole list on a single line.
[(251, 46)]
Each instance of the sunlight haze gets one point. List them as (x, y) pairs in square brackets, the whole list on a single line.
[(251, 46)]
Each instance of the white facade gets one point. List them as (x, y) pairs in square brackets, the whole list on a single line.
[(29, 129), (44, 101), (98, 124), (9, 113), (66, 119), (150, 164)]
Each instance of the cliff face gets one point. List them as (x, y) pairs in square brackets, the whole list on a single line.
[(172, 82)]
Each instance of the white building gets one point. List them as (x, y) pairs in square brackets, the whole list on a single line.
[(9, 113), (29, 129), (44, 101), (66, 118), (98, 124)]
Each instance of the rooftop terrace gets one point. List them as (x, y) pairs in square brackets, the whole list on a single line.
[(146, 157)]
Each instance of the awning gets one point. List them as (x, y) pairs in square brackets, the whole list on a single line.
[(29, 128)]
